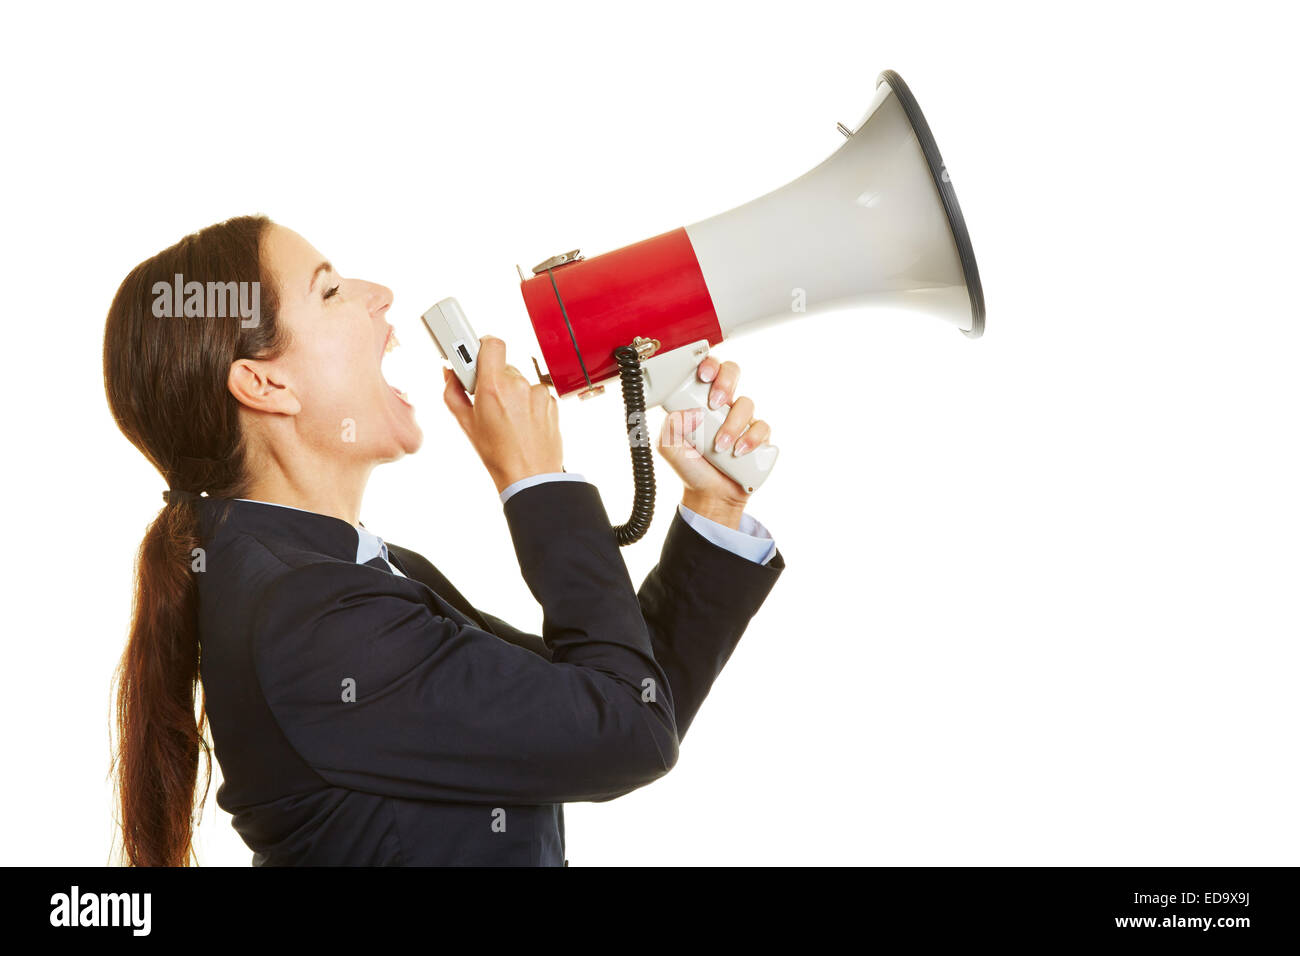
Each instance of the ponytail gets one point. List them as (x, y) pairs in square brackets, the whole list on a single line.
[(159, 734), (166, 382)]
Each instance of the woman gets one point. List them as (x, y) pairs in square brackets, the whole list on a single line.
[(362, 711)]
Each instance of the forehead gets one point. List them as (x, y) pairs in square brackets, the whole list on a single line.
[(292, 258)]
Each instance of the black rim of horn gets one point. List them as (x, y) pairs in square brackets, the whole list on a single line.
[(956, 222)]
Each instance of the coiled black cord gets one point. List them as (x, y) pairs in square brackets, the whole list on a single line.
[(638, 440)]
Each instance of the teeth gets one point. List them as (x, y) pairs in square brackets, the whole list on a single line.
[(406, 398), (392, 343)]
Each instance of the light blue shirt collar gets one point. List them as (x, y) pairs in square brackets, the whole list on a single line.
[(369, 545)]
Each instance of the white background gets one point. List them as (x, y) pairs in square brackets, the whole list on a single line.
[(1040, 604)]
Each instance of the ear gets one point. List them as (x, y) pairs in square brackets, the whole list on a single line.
[(261, 386)]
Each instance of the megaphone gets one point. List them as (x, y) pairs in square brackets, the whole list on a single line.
[(875, 224)]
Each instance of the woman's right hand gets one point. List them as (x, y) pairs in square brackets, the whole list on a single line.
[(512, 424)]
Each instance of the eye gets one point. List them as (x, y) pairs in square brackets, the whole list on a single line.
[(330, 292)]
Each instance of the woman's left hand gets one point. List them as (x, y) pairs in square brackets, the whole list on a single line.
[(707, 488)]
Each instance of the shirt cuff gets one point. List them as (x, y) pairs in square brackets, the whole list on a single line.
[(531, 480), (752, 541)]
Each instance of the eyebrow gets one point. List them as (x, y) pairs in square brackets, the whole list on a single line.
[(323, 267)]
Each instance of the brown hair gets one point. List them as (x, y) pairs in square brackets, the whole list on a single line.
[(166, 383)]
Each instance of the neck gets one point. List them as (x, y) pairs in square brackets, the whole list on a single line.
[(326, 486)]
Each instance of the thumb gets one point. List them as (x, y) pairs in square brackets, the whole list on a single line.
[(674, 437), (457, 401)]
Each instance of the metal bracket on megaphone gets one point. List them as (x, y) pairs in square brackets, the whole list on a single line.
[(671, 381), (548, 266)]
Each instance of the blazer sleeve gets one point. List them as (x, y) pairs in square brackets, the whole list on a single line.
[(508, 632), (377, 692), (697, 602)]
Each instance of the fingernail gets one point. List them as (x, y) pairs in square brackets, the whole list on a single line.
[(708, 373), (716, 397), (740, 449), (723, 441)]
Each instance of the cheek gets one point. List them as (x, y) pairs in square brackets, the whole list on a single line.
[(337, 383)]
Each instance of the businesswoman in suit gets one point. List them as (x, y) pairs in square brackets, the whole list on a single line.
[(362, 711)]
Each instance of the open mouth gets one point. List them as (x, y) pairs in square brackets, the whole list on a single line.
[(390, 343)]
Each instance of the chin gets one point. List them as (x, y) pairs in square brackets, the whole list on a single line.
[(411, 443), (400, 444), (406, 434)]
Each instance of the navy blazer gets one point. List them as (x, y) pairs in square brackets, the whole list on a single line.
[(363, 718)]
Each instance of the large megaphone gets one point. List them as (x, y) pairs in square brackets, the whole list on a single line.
[(875, 224)]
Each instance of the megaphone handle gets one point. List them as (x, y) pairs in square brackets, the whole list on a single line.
[(749, 470)]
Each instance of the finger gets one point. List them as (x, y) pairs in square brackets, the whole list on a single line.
[(458, 402), (541, 394), (491, 360), (708, 369), (724, 386), (737, 420), (758, 432)]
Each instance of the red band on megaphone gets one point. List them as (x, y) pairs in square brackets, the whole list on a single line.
[(653, 288)]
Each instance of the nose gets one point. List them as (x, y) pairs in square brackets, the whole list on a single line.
[(379, 298)]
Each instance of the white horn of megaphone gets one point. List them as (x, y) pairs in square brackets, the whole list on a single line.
[(876, 224)]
